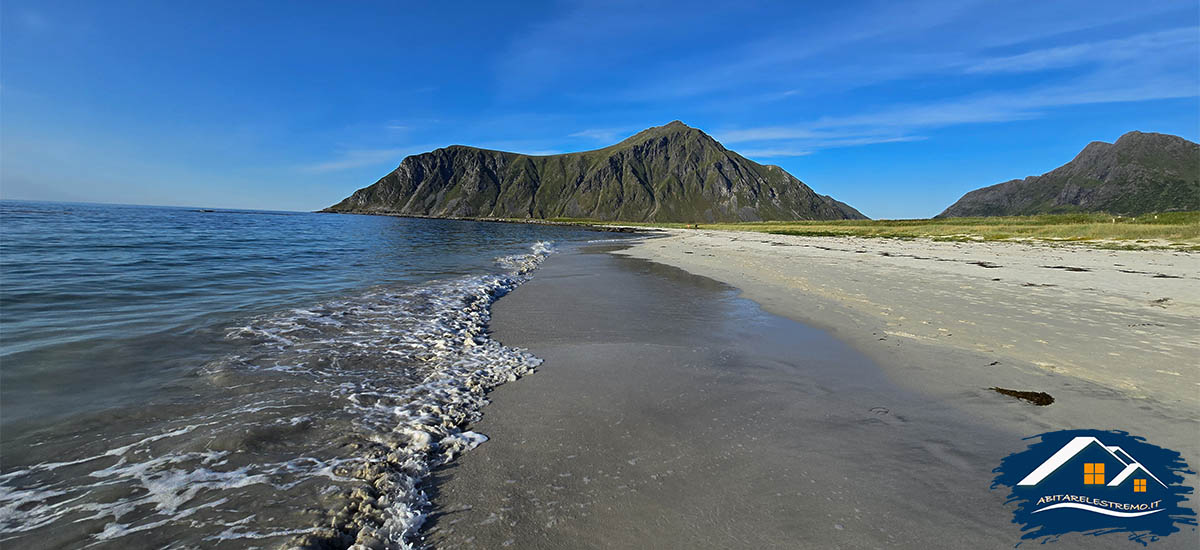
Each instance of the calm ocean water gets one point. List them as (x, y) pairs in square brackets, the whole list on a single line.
[(177, 378)]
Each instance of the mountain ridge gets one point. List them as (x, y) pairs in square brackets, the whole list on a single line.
[(668, 173), (1139, 173)]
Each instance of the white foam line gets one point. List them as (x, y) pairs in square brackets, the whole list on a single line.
[(437, 333)]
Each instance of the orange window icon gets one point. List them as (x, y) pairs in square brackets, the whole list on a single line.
[(1139, 485), (1093, 473)]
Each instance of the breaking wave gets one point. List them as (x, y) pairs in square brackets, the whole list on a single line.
[(316, 433)]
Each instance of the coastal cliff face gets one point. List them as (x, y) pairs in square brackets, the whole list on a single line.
[(1140, 173), (670, 173)]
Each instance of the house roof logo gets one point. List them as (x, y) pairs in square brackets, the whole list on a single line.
[(1089, 482), (1075, 448)]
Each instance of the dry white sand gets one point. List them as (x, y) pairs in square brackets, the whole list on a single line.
[(1113, 335)]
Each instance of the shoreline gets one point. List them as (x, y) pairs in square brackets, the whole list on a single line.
[(603, 227), (676, 414), (578, 455), (1136, 307), (1056, 230), (1106, 333)]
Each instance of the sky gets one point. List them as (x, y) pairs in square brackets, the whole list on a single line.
[(896, 108)]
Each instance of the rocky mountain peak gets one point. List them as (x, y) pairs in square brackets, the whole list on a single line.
[(1141, 172), (672, 172)]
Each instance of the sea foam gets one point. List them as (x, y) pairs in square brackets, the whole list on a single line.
[(346, 405)]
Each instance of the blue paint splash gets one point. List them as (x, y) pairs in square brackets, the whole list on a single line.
[(1049, 525)]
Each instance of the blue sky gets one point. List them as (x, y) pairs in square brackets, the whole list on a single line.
[(896, 108)]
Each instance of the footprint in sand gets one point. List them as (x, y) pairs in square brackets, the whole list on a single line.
[(884, 415)]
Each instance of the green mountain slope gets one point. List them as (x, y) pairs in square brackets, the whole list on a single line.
[(670, 173), (1140, 173)]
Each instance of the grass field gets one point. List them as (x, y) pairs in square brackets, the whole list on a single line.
[(1179, 230)]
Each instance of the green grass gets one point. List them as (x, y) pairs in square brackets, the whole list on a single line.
[(1178, 230)]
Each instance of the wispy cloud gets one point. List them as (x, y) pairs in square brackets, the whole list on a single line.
[(580, 37), (603, 134), (774, 153), (357, 159), (1016, 105), (888, 43), (866, 140), (900, 123), (1134, 48), (791, 55), (802, 148), (772, 133), (813, 137), (535, 147)]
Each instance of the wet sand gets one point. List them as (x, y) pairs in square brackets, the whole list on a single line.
[(673, 413), (1112, 335)]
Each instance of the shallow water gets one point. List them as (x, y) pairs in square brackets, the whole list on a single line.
[(175, 378)]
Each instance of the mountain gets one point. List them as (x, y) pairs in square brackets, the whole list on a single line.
[(670, 173), (1140, 173)]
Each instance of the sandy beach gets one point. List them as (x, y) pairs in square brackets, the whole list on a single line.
[(736, 390), (582, 275), (1111, 334)]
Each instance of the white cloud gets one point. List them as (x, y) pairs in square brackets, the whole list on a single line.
[(1017, 104), (899, 123), (534, 147), (801, 148), (1134, 48), (771, 133), (774, 153), (813, 138), (890, 41), (357, 159), (866, 140), (607, 135)]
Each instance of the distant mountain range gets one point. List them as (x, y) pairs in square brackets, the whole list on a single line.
[(1140, 173), (670, 173)]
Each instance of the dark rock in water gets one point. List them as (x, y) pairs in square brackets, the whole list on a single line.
[(1040, 399), (1140, 173), (670, 173)]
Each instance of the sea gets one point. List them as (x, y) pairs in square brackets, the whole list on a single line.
[(208, 378)]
